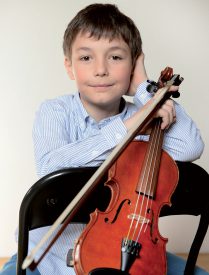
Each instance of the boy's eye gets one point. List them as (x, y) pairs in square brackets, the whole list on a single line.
[(116, 57), (85, 58)]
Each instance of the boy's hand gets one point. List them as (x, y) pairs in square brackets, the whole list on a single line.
[(139, 75), (167, 111), (168, 114)]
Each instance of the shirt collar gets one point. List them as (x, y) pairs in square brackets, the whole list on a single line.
[(82, 111), (85, 116)]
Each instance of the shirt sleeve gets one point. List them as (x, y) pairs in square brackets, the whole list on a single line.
[(55, 149), (183, 140)]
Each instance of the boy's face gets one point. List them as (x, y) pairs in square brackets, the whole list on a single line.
[(102, 71)]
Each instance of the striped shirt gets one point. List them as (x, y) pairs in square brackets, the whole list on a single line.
[(66, 136)]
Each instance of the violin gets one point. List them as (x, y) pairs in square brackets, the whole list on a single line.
[(125, 239), (135, 214)]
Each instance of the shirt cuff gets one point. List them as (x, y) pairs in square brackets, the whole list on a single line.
[(142, 95)]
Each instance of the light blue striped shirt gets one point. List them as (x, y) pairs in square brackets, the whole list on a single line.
[(66, 136)]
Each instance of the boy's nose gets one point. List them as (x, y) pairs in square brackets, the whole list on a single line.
[(101, 68)]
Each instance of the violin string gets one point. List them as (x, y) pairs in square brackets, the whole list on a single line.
[(149, 179), (151, 172), (136, 205), (156, 152), (141, 214), (142, 199), (147, 167), (133, 217)]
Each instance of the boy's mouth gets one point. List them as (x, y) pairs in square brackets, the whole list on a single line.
[(101, 85)]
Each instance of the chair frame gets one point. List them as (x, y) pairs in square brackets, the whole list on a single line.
[(53, 203)]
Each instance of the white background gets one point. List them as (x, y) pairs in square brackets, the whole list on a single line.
[(174, 33)]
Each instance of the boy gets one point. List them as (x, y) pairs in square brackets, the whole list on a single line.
[(103, 55)]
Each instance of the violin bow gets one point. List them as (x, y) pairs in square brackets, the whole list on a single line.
[(66, 216)]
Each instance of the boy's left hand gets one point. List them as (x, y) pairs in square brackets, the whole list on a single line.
[(139, 75)]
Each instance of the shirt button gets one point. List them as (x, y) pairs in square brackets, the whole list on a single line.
[(143, 95), (118, 136), (94, 153)]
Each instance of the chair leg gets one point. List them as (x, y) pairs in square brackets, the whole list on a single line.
[(22, 250), (197, 242)]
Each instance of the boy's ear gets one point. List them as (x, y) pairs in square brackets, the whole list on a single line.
[(69, 69)]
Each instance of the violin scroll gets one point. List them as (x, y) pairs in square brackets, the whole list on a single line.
[(166, 76)]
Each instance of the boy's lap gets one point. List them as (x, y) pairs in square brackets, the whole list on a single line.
[(176, 266), (10, 268)]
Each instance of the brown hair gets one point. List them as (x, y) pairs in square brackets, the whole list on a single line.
[(103, 20)]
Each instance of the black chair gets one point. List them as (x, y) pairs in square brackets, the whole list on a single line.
[(49, 196)]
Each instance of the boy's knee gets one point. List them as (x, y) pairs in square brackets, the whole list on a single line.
[(9, 267)]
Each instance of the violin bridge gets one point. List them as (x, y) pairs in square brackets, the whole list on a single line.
[(139, 218)]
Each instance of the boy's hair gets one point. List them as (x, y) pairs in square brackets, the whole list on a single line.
[(103, 20)]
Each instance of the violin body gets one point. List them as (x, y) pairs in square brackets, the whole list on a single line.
[(100, 242)]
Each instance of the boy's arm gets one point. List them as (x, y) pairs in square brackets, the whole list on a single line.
[(182, 138), (61, 141), (59, 144)]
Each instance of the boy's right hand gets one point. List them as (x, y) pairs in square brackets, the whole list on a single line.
[(139, 75)]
